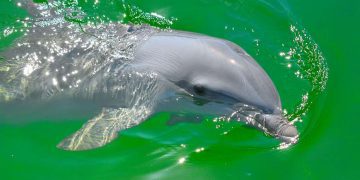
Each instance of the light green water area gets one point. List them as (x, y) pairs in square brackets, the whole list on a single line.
[(309, 49)]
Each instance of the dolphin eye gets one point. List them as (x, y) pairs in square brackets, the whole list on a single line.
[(199, 90)]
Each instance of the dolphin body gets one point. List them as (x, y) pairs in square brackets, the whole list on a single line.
[(127, 73)]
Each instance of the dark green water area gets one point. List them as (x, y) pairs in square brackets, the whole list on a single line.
[(310, 49)]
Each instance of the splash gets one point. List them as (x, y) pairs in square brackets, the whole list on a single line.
[(135, 15), (312, 67)]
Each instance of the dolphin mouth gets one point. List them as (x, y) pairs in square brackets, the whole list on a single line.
[(288, 134), (279, 127), (275, 125)]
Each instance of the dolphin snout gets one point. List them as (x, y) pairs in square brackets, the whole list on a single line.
[(289, 131), (278, 126), (288, 134)]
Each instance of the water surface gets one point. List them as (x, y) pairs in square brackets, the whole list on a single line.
[(307, 48)]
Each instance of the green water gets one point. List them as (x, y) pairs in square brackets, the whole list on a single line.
[(318, 82)]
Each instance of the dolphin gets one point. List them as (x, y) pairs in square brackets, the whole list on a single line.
[(119, 75)]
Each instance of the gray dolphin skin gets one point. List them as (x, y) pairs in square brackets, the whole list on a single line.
[(119, 75)]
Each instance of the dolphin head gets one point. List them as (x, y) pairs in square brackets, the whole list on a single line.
[(209, 69), (214, 71)]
